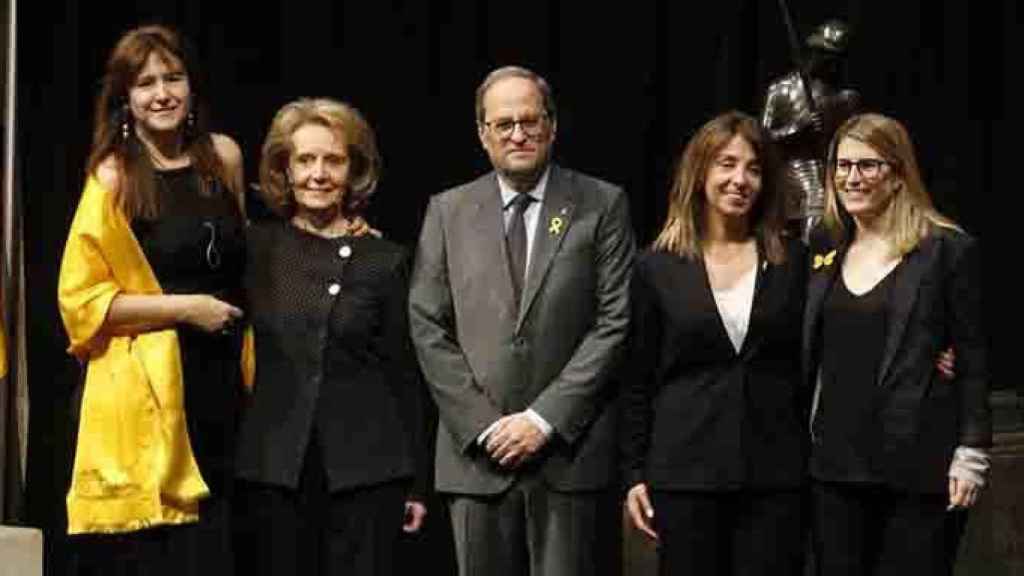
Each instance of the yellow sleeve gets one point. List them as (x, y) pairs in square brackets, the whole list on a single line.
[(249, 358), (86, 285)]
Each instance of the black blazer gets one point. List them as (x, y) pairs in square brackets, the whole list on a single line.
[(935, 302), (332, 354), (697, 415)]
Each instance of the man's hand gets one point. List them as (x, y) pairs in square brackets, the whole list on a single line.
[(514, 440)]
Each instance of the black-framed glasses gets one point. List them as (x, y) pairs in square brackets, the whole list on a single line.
[(532, 126), (868, 167)]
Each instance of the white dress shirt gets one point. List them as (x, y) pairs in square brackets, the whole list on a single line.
[(530, 217)]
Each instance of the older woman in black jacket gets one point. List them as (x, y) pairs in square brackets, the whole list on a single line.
[(331, 444)]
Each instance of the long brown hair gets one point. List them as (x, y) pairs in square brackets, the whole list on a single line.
[(682, 233), (136, 194), (912, 216)]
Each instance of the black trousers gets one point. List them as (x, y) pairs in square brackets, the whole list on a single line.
[(311, 531), (744, 533), (871, 530)]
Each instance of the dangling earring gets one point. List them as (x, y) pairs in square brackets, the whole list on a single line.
[(190, 118), (124, 123)]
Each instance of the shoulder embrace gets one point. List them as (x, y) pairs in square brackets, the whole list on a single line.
[(109, 172), (227, 150)]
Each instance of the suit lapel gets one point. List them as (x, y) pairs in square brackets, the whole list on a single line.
[(764, 278), (488, 229), (719, 335), (824, 269), (901, 300), (553, 224)]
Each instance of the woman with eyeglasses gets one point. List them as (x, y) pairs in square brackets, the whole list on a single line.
[(331, 448), (898, 450), (714, 423), (149, 292)]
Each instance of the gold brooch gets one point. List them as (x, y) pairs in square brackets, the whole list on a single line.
[(555, 228), (826, 260)]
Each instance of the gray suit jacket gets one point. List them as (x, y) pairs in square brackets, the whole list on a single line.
[(556, 356)]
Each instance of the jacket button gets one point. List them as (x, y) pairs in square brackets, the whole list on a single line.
[(345, 251), (334, 289)]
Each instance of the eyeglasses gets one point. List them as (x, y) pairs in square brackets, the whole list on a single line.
[(868, 167), (532, 126)]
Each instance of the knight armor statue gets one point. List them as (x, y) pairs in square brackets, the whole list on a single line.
[(802, 127)]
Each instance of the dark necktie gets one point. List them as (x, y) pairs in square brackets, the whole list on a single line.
[(516, 240)]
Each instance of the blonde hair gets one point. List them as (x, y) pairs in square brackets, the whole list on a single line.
[(911, 214), (336, 116), (682, 232)]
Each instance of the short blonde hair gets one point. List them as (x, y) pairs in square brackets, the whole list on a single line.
[(336, 116), (912, 215)]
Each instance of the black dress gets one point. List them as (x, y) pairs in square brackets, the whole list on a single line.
[(195, 246)]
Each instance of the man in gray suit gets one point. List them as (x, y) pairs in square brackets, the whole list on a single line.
[(519, 307)]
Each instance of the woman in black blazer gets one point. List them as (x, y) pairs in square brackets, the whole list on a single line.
[(332, 439), (897, 449), (714, 424)]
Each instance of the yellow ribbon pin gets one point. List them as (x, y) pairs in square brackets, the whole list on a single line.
[(556, 226), (825, 260)]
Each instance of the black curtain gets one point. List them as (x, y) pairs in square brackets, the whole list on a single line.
[(633, 81)]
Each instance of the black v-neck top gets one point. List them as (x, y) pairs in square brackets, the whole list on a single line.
[(846, 423)]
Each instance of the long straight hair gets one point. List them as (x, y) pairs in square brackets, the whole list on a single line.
[(912, 215), (136, 194), (683, 232)]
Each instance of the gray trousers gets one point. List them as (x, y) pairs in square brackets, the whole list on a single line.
[(532, 530)]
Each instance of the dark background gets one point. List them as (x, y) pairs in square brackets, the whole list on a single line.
[(633, 80)]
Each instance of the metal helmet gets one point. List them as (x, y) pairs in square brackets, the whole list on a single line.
[(830, 36)]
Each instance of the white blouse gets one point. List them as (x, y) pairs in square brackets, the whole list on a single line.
[(734, 306)]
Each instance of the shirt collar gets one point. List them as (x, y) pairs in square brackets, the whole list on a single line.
[(508, 194)]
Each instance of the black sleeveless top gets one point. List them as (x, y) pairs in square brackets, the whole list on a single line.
[(197, 246), (853, 331)]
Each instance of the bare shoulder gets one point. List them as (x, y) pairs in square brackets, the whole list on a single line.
[(228, 150), (108, 173)]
